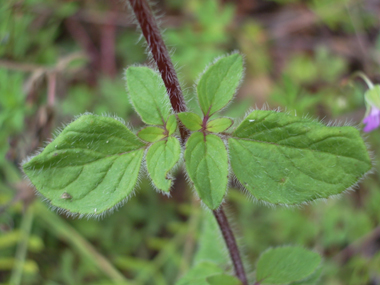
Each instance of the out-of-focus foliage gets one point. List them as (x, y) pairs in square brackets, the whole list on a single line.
[(300, 66), (199, 42), (12, 114), (28, 32)]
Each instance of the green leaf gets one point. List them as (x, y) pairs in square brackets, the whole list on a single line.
[(311, 279), (90, 167), (151, 134), (148, 95), (284, 159), (210, 246), (219, 125), (218, 84), (190, 120), (160, 159), (286, 264), (206, 164), (223, 279), (199, 273), (171, 124)]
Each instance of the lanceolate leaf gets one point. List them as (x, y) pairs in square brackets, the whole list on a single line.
[(160, 159), (206, 164), (171, 124), (286, 264), (198, 274), (148, 95), (210, 246), (223, 279), (219, 125), (190, 120), (90, 167), (151, 134), (218, 84), (289, 160)]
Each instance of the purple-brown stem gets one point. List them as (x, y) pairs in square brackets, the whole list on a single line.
[(161, 56), (229, 237), (159, 52)]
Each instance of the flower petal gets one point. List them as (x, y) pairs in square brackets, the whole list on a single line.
[(372, 121)]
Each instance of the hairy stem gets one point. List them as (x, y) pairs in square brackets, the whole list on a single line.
[(230, 240), (161, 56), (159, 52)]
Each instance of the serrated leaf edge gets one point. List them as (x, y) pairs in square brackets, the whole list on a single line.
[(175, 168), (353, 187), (237, 87), (230, 174), (161, 83), (68, 213), (77, 215)]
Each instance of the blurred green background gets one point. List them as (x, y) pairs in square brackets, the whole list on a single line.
[(61, 58)]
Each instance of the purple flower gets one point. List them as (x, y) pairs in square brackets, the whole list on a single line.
[(372, 121), (372, 101)]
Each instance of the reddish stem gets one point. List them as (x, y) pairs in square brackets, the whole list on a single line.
[(229, 237), (161, 56), (159, 52)]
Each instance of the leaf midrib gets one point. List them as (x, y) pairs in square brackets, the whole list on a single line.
[(103, 157), (154, 99), (217, 90)]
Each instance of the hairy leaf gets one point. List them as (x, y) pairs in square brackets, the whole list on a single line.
[(219, 125), (148, 95), (151, 134), (286, 264), (160, 159), (199, 273), (190, 120), (218, 84), (289, 160), (90, 167), (206, 164)]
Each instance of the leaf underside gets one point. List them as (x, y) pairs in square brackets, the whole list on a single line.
[(95, 161), (286, 264), (161, 158), (282, 159), (206, 164)]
